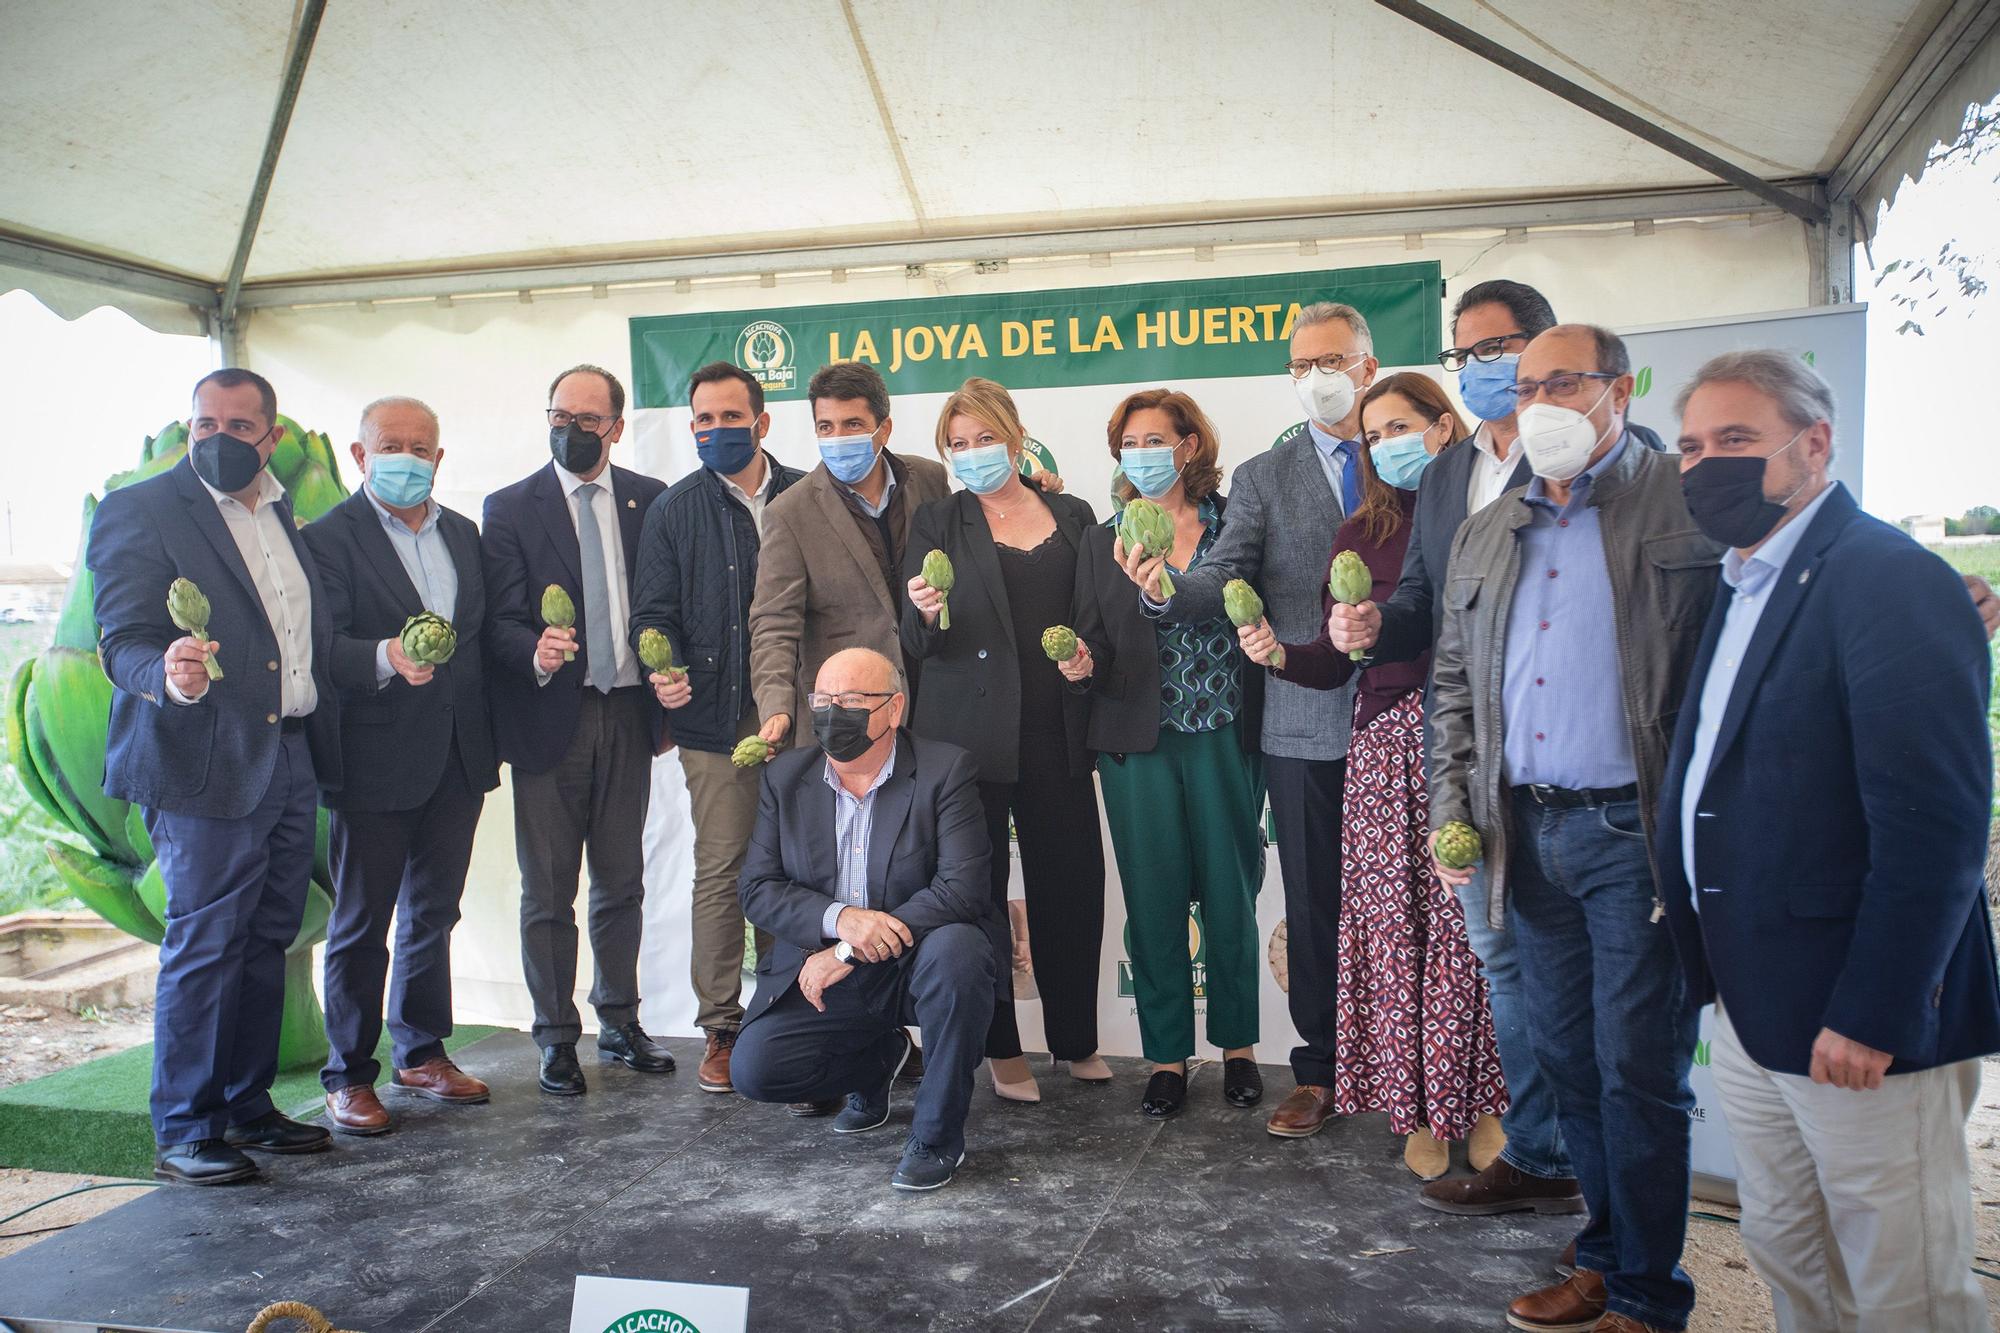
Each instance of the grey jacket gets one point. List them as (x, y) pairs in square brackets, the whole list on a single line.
[(1279, 538), (1663, 579)]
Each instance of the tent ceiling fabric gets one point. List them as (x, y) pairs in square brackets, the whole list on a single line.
[(530, 131)]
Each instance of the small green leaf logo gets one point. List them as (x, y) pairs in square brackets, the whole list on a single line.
[(1807, 357), (1644, 384)]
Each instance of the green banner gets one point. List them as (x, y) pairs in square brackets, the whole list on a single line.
[(1137, 333)]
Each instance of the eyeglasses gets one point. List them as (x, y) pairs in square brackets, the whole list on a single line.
[(1486, 349), (848, 699), (1331, 363), (1558, 388), (587, 421)]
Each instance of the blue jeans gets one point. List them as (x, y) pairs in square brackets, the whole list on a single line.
[(1534, 1140), (1614, 1030)]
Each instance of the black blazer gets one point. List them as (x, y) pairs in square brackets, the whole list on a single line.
[(395, 741), (927, 858), (972, 678), (528, 540), (1124, 689)]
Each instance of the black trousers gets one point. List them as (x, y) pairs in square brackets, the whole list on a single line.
[(412, 864), (1305, 800), (1062, 874)]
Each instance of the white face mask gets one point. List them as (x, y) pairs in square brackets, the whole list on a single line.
[(1559, 440), (1327, 398)]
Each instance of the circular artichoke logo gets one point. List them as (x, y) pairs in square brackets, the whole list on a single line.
[(651, 1321), (765, 348)]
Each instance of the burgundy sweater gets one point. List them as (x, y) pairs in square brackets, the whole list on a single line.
[(1320, 666)]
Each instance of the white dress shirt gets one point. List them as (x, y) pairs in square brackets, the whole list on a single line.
[(1487, 481), (426, 558), (755, 503), (281, 585), (606, 508)]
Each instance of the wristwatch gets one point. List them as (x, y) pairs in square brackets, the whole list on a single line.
[(843, 952)]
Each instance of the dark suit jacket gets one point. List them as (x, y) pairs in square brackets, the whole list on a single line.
[(1841, 836), (927, 856), (396, 740), (1125, 641), (528, 540), (212, 758), (972, 674)]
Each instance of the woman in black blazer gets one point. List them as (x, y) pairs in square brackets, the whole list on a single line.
[(990, 688)]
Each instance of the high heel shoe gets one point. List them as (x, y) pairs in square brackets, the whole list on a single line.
[(1023, 1089), (1090, 1069), (1427, 1157)]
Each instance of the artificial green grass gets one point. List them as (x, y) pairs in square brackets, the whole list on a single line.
[(92, 1119)]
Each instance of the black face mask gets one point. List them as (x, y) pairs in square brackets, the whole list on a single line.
[(576, 449), (225, 462), (1725, 493), (843, 732)]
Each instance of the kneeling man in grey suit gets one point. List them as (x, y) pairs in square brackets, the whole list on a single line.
[(868, 868)]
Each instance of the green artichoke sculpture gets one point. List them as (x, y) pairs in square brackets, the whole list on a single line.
[(1059, 642), (188, 609), (937, 572), (1350, 583), (1242, 604), (1144, 526), (1458, 846), (58, 709), (429, 639), (656, 650), (559, 612), (750, 752)]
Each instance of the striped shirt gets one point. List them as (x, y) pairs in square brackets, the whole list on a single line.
[(853, 823)]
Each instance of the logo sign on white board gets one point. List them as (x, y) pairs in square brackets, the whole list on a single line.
[(622, 1305)]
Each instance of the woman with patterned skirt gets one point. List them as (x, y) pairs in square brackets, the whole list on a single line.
[(1415, 1034)]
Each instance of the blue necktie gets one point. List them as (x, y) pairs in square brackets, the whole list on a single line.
[(1350, 478), (600, 656)]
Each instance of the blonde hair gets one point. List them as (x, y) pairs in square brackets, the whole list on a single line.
[(987, 402)]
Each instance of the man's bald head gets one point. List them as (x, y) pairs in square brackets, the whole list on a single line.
[(861, 678), (859, 669)]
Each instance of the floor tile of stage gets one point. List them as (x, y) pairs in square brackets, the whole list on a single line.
[(1076, 1214)]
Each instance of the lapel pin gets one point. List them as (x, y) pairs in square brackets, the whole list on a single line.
[(1804, 574), (631, 504)]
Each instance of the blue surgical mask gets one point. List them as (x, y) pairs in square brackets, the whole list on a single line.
[(1151, 470), (1488, 387), (1400, 460), (725, 449), (849, 457), (402, 481), (984, 470)]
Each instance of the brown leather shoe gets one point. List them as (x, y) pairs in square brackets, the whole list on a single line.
[(1614, 1322), (713, 1076), (1301, 1115), (356, 1110), (1573, 1306), (442, 1081), (1502, 1189)]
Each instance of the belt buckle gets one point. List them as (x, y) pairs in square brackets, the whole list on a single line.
[(1541, 792)]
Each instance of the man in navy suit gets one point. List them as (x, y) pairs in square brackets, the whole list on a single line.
[(572, 715), (1821, 841), (868, 866), (417, 739), (226, 764)]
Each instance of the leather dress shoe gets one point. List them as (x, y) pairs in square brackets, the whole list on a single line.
[(275, 1132), (1302, 1114), (561, 1075), (713, 1075), (629, 1045), (1574, 1305), (203, 1162), (442, 1081), (1242, 1083), (1166, 1091), (812, 1110), (356, 1110), (1500, 1188)]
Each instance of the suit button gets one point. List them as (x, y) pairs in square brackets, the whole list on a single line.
[(272, 718), (982, 654), (270, 666)]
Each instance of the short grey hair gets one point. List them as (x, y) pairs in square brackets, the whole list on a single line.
[(1325, 312), (1802, 394), (395, 400)]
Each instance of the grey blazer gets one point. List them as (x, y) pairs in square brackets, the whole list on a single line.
[(1279, 538)]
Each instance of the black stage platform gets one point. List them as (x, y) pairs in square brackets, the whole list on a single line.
[(1075, 1214)]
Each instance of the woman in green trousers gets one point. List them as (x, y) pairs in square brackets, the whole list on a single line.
[(1174, 720)]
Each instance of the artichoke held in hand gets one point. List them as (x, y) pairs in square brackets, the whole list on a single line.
[(189, 609), (1350, 583), (937, 572), (429, 639), (1458, 846), (656, 650), (1059, 642), (559, 612), (750, 752), (1145, 527), (1242, 603)]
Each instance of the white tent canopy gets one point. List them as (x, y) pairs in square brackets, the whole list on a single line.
[(437, 150)]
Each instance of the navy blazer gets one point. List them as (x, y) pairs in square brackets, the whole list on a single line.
[(1841, 836), (927, 857), (213, 758), (528, 540), (395, 740)]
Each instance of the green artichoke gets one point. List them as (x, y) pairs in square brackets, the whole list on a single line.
[(1458, 846), (429, 639), (750, 752), (1059, 642), (937, 572), (559, 612), (656, 650), (1350, 583), (1144, 526), (57, 718), (1242, 603), (189, 609)]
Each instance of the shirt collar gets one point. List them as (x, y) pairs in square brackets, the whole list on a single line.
[(391, 521), (770, 476), (569, 481), (1482, 440), (881, 776), (888, 489), (268, 489), (1324, 440), (1753, 574), (1579, 489)]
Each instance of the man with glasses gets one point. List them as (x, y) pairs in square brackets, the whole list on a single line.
[(1284, 508), (868, 866), (1572, 611), (572, 715)]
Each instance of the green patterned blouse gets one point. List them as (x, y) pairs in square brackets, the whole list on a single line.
[(1200, 689)]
